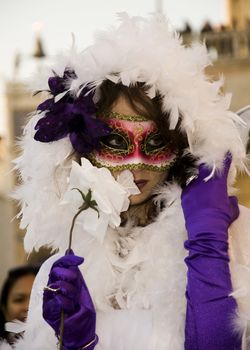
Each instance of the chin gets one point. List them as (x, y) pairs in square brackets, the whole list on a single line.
[(139, 198)]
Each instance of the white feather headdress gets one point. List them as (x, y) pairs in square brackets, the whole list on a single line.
[(138, 50)]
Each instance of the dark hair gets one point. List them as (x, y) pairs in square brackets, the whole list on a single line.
[(12, 277), (137, 97), (248, 143)]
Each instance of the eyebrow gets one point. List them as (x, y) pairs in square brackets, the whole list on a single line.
[(19, 294)]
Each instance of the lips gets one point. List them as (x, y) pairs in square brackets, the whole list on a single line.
[(141, 183)]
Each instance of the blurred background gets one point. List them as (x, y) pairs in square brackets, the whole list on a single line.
[(32, 32)]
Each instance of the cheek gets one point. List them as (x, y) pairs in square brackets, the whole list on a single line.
[(158, 177), (17, 310), (13, 310)]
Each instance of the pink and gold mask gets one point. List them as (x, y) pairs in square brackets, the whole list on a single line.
[(134, 143)]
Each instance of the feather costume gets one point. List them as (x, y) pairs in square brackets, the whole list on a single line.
[(141, 270)]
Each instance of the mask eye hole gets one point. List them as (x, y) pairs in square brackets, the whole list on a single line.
[(115, 141), (154, 143)]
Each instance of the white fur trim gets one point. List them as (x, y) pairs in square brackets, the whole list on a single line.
[(144, 270), (239, 251), (138, 50)]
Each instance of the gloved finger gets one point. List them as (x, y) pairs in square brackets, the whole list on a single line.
[(83, 316), (52, 311), (62, 288), (205, 170), (83, 320), (71, 275), (234, 207), (68, 260), (53, 306), (202, 173), (67, 289)]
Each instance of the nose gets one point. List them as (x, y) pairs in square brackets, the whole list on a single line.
[(137, 173), (26, 305), (137, 154), (24, 309)]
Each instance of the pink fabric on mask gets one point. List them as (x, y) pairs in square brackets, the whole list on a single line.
[(137, 132)]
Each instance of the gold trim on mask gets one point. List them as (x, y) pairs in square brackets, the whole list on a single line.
[(119, 151), (138, 166), (130, 118), (156, 150)]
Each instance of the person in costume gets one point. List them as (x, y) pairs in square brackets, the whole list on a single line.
[(136, 151)]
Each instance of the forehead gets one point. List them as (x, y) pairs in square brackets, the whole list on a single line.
[(23, 285), (133, 125)]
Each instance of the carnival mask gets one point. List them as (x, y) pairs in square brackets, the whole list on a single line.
[(134, 143)]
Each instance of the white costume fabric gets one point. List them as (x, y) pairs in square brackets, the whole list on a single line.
[(188, 96), (140, 270)]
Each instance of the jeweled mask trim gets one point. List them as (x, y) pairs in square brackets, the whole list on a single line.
[(128, 117), (138, 166)]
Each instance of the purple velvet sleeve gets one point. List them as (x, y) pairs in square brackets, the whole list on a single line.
[(208, 213)]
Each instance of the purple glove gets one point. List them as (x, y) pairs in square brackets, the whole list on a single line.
[(208, 213), (74, 298)]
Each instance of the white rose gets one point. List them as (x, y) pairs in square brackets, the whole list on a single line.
[(111, 196)]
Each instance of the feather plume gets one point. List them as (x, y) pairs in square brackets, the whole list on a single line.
[(138, 49)]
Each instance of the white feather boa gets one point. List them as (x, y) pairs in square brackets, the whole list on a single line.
[(144, 270), (149, 281), (139, 50), (147, 50)]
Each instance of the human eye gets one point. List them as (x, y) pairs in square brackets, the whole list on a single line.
[(19, 299), (154, 142), (116, 141)]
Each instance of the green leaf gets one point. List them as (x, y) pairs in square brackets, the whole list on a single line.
[(88, 196), (88, 202)]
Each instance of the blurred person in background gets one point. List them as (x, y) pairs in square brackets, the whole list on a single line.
[(15, 296), (187, 29), (207, 27)]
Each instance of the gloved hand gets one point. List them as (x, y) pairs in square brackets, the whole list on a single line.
[(73, 297), (208, 213)]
